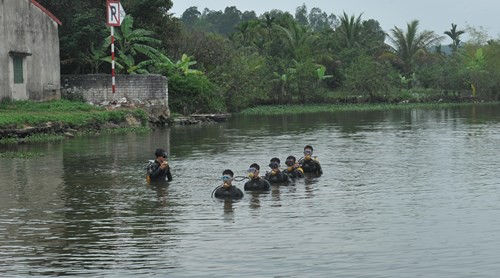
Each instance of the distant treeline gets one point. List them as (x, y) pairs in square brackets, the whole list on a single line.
[(229, 60)]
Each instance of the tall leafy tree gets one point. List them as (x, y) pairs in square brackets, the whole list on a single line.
[(301, 15), (412, 43), (191, 16), (297, 40), (320, 21), (350, 30), (454, 35)]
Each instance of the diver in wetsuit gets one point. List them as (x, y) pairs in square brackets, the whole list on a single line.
[(227, 190), (293, 169), (276, 176), (159, 170), (310, 164), (256, 183)]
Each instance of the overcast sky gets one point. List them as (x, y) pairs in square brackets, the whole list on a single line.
[(434, 15)]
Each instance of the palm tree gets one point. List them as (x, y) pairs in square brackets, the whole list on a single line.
[(455, 36), (412, 44), (350, 29), (296, 39)]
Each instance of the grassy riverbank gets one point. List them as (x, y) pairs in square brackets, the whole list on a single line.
[(28, 121), (314, 108)]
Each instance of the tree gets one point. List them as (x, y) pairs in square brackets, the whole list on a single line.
[(248, 15), (350, 30), (410, 44), (191, 16), (149, 14), (367, 76), (454, 35), (319, 21), (301, 15), (230, 18), (296, 41)]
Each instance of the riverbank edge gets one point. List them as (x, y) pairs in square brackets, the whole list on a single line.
[(53, 131)]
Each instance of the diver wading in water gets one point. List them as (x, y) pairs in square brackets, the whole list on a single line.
[(158, 170), (293, 169), (308, 163), (276, 176), (227, 190), (256, 183)]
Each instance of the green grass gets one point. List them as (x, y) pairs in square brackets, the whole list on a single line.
[(63, 114), (16, 114), (315, 108)]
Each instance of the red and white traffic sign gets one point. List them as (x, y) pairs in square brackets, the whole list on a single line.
[(115, 13)]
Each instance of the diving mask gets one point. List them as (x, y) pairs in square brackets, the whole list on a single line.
[(307, 154), (274, 165), (251, 172)]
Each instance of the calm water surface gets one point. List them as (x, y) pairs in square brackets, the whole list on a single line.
[(412, 193)]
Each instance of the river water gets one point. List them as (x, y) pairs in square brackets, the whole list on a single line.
[(408, 193)]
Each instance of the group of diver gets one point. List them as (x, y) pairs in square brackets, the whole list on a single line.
[(295, 170), (158, 170)]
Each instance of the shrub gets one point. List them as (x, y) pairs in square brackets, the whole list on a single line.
[(194, 93)]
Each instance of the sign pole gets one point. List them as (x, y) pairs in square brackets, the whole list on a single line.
[(113, 84), (115, 15)]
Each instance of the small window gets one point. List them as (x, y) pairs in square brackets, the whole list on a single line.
[(18, 70)]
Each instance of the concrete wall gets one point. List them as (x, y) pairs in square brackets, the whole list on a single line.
[(149, 90), (29, 31), (96, 88)]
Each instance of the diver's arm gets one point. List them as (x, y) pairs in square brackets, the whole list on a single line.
[(169, 175), (155, 170)]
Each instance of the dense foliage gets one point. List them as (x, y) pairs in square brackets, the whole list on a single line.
[(230, 60)]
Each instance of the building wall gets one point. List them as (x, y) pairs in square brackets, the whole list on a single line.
[(28, 30), (4, 55)]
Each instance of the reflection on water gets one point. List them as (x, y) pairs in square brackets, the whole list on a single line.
[(404, 193)]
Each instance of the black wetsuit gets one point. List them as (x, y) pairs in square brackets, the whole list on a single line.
[(277, 178), (294, 174), (311, 166), (228, 193), (157, 174), (258, 184)]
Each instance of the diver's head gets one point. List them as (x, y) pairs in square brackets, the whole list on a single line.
[(227, 178), (290, 162), (274, 165), (253, 171), (161, 155), (308, 151)]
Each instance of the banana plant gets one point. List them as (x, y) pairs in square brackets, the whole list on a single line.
[(183, 65), (321, 71), (130, 45)]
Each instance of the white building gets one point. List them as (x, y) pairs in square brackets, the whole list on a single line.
[(29, 51)]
